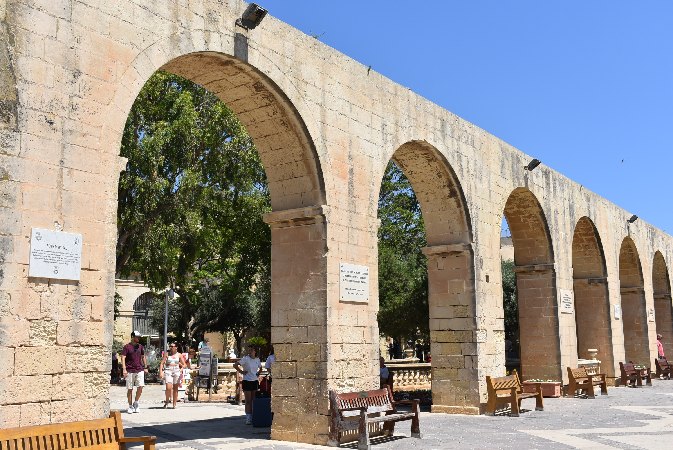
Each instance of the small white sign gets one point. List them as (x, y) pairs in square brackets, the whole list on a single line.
[(650, 315), (567, 301), (353, 283), (55, 254), (618, 312)]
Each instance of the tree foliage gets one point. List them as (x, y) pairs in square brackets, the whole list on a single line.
[(191, 203), (509, 299), (403, 275)]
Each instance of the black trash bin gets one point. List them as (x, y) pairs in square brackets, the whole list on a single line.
[(261, 412)]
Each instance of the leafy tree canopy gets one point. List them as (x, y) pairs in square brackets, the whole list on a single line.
[(403, 275), (191, 200)]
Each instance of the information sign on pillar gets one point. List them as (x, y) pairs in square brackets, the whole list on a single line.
[(567, 301), (353, 283), (55, 254)]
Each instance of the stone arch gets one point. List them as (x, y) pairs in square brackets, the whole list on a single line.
[(634, 315), (451, 292), (298, 225), (536, 286), (663, 308), (286, 149), (590, 287)]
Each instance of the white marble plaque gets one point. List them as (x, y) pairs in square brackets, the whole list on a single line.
[(618, 312), (55, 254), (567, 301), (353, 283), (650, 315)]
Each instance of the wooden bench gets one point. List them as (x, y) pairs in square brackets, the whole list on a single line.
[(356, 410), (100, 434), (578, 379), (634, 376), (502, 390), (663, 367)]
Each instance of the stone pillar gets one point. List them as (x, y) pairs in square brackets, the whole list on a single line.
[(592, 319), (663, 313), (634, 314), (299, 324), (538, 322), (453, 343)]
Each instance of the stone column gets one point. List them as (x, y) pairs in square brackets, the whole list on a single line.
[(592, 319), (634, 314), (538, 322), (453, 333), (299, 324)]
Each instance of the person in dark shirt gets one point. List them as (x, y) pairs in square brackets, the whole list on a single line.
[(134, 366)]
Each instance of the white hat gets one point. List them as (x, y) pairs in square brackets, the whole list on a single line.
[(135, 333)]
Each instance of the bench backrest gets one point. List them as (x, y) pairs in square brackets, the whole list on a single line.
[(663, 363), (628, 368), (378, 400), (503, 383), (100, 434), (577, 373)]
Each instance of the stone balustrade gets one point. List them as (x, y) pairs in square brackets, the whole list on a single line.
[(410, 376)]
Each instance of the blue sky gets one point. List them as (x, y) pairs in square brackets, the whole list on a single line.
[(584, 86)]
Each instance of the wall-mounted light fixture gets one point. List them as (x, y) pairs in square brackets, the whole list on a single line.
[(633, 218), (533, 164), (252, 16)]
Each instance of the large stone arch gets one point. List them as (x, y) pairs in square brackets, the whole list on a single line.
[(298, 225), (663, 308), (451, 293), (592, 304), (536, 286), (634, 314)]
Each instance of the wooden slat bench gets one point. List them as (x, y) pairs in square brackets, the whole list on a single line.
[(100, 434), (634, 376), (578, 379), (502, 390), (663, 367), (356, 410)]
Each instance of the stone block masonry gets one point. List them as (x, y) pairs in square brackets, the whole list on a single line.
[(325, 127)]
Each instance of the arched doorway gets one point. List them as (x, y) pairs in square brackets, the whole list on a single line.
[(663, 309), (451, 294), (536, 286), (297, 222), (592, 306), (634, 315), (141, 314)]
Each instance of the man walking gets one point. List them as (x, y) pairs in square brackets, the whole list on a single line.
[(134, 366)]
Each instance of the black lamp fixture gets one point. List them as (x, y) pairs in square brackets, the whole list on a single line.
[(633, 218), (252, 16), (533, 164)]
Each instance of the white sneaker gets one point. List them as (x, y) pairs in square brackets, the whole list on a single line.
[(136, 407), (131, 409)]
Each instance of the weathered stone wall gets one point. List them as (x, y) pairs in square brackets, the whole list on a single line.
[(325, 127)]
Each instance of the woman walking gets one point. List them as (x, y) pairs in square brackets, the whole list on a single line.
[(250, 367), (171, 370)]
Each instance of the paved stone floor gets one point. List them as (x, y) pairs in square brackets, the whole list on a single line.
[(626, 418)]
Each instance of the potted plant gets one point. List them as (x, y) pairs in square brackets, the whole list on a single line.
[(550, 388)]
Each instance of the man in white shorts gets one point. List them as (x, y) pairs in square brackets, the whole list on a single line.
[(134, 366)]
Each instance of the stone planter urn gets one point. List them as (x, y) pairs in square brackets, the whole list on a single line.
[(549, 388), (593, 352)]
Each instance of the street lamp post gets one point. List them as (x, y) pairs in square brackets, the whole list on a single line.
[(169, 293)]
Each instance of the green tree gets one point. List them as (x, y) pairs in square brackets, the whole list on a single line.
[(191, 199), (403, 275), (509, 299)]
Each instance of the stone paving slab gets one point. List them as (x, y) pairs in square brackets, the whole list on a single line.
[(627, 418)]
